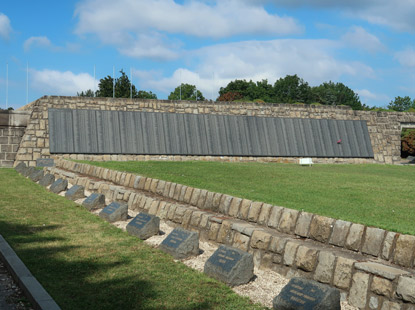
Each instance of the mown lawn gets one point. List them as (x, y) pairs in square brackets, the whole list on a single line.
[(374, 195), (86, 263)]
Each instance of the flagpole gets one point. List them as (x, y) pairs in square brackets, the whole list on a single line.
[(27, 82), (94, 81), (131, 83), (7, 86), (113, 81)]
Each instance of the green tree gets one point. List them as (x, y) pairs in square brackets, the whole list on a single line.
[(401, 104), (145, 95), (336, 94), (186, 92), (87, 93), (291, 89)]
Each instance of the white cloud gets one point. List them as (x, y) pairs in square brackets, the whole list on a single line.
[(5, 27), (368, 97), (257, 60), (36, 41), (406, 57), (127, 23), (360, 38), (53, 82)]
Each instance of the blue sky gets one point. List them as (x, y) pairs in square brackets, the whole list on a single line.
[(367, 45)]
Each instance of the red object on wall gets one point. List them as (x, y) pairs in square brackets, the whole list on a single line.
[(339, 141)]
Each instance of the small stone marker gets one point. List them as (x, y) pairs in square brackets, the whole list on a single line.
[(181, 243), (45, 162), (230, 265), (75, 192), (36, 175), (28, 171), (144, 226), (20, 167), (94, 201), (58, 186), (305, 294), (114, 212), (47, 180)]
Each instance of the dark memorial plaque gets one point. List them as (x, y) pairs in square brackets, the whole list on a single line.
[(230, 265), (28, 171), (181, 243), (58, 186), (94, 201), (36, 175), (20, 167), (75, 192), (47, 180), (45, 162), (144, 226), (114, 212), (305, 294)]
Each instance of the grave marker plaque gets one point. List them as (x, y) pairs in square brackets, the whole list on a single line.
[(114, 212), (94, 201), (28, 171), (305, 294), (47, 180), (144, 226), (45, 162), (181, 243), (20, 167), (230, 265), (75, 192), (36, 175), (58, 186)]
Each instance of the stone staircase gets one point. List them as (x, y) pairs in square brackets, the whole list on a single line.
[(372, 268)]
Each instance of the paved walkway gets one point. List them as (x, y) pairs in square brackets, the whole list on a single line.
[(10, 294)]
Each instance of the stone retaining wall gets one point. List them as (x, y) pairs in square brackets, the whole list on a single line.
[(372, 267), (384, 127), (10, 138)]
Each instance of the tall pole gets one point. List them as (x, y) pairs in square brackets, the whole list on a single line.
[(7, 86), (113, 82), (131, 83), (94, 82), (180, 84)]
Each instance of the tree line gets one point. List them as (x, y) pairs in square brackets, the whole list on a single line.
[(290, 89)]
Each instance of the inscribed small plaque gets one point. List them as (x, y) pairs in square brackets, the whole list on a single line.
[(75, 192), (94, 201), (47, 180), (114, 212), (58, 186), (28, 171), (20, 167), (230, 265), (45, 162), (305, 294), (36, 175), (181, 243), (144, 226)]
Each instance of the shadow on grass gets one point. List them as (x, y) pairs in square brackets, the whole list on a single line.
[(77, 283)]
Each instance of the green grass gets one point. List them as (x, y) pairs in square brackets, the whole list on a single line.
[(86, 263), (374, 195)]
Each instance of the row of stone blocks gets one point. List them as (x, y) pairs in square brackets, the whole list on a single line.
[(370, 285), (397, 248)]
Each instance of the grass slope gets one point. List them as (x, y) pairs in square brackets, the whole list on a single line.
[(374, 195), (86, 263)]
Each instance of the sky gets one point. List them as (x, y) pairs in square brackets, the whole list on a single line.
[(54, 47)]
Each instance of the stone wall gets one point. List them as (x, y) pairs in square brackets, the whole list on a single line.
[(373, 268), (384, 127)]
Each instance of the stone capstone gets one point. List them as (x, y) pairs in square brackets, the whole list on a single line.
[(373, 241), (406, 289), (320, 228), (358, 291)]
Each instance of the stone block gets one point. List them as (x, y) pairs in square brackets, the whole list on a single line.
[(290, 252), (274, 217), (94, 201), (340, 231), (404, 250), (45, 162), (224, 234), (306, 258), (264, 214), (288, 221), (154, 207), (20, 167), (354, 239), (381, 286), (382, 270), (144, 226), (160, 187), (303, 224), (373, 303), (260, 240), (216, 201), (302, 293), (75, 192), (225, 203), (28, 171), (114, 212), (188, 195), (213, 231), (209, 201), (406, 289), (343, 273), (388, 245), (195, 197), (389, 305), (325, 267), (234, 207), (47, 180), (36, 175), (320, 228), (277, 244), (230, 265), (181, 243), (359, 289), (254, 211), (58, 186), (202, 198), (240, 241), (244, 209), (373, 241)]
